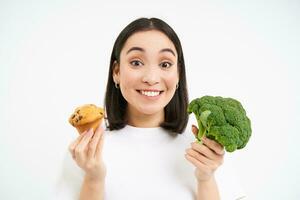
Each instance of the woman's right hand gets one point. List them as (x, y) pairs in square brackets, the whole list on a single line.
[(86, 151)]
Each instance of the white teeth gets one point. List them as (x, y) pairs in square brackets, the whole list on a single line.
[(150, 94)]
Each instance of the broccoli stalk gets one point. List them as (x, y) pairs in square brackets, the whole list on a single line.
[(223, 120), (203, 126)]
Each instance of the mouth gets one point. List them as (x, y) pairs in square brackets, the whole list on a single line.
[(150, 93)]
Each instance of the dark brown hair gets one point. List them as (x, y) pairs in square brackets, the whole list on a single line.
[(176, 116)]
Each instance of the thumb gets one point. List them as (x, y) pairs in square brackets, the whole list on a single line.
[(195, 130)]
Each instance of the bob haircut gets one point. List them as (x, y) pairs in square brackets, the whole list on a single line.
[(176, 116)]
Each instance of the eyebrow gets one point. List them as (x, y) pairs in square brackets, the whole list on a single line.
[(135, 49), (167, 50), (143, 50)]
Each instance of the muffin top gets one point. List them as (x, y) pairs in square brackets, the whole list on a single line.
[(86, 114)]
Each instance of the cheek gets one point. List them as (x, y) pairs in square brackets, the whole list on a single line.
[(171, 80), (125, 75), (128, 79)]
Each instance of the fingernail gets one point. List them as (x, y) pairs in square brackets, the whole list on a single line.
[(90, 131), (98, 128), (194, 127)]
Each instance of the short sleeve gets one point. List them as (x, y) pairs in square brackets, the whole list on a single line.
[(69, 180), (229, 185)]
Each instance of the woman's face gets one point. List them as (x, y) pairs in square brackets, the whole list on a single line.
[(147, 72)]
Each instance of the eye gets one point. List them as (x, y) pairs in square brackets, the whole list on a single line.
[(136, 63), (166, 64)]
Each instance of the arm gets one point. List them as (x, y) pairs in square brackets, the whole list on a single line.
[(92, 190), (207, 190), (86, 150), (206, 157)]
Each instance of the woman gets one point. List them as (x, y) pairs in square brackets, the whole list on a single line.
[(146, 154)]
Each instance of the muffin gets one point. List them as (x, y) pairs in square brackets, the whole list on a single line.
[(86, 116)]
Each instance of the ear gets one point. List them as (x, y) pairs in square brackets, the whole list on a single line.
[(116, 72)]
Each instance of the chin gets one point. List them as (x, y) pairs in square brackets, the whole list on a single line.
[(150, 110)]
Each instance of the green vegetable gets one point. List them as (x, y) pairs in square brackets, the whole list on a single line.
[(223, 120)]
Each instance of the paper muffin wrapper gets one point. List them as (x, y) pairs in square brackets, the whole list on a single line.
[(87, 126)]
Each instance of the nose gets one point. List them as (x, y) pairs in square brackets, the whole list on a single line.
[(151, 76)]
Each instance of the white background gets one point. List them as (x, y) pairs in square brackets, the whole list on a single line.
[(54, 56)]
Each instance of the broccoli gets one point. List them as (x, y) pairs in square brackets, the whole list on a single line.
[(223, 120)]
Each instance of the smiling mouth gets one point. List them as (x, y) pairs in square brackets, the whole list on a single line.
[(150, 93)]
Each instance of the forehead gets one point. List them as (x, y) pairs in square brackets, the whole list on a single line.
[(151, 40)]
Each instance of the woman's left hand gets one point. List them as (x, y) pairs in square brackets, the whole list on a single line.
[(206, 157)]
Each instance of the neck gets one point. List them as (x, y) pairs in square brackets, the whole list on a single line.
[(145, 120)]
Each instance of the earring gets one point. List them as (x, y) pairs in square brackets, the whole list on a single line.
[(117, 85)]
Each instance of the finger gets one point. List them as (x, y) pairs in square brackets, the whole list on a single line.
[(98, 153), (215, 146), (81, 147), (93, 144), (73, 145), (196, 162), (195, 130), (207, 152), (200, 157)]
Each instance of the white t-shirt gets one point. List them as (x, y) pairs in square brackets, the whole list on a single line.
[(146, 163)]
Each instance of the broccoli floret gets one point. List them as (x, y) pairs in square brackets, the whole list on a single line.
[(223, 120)]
